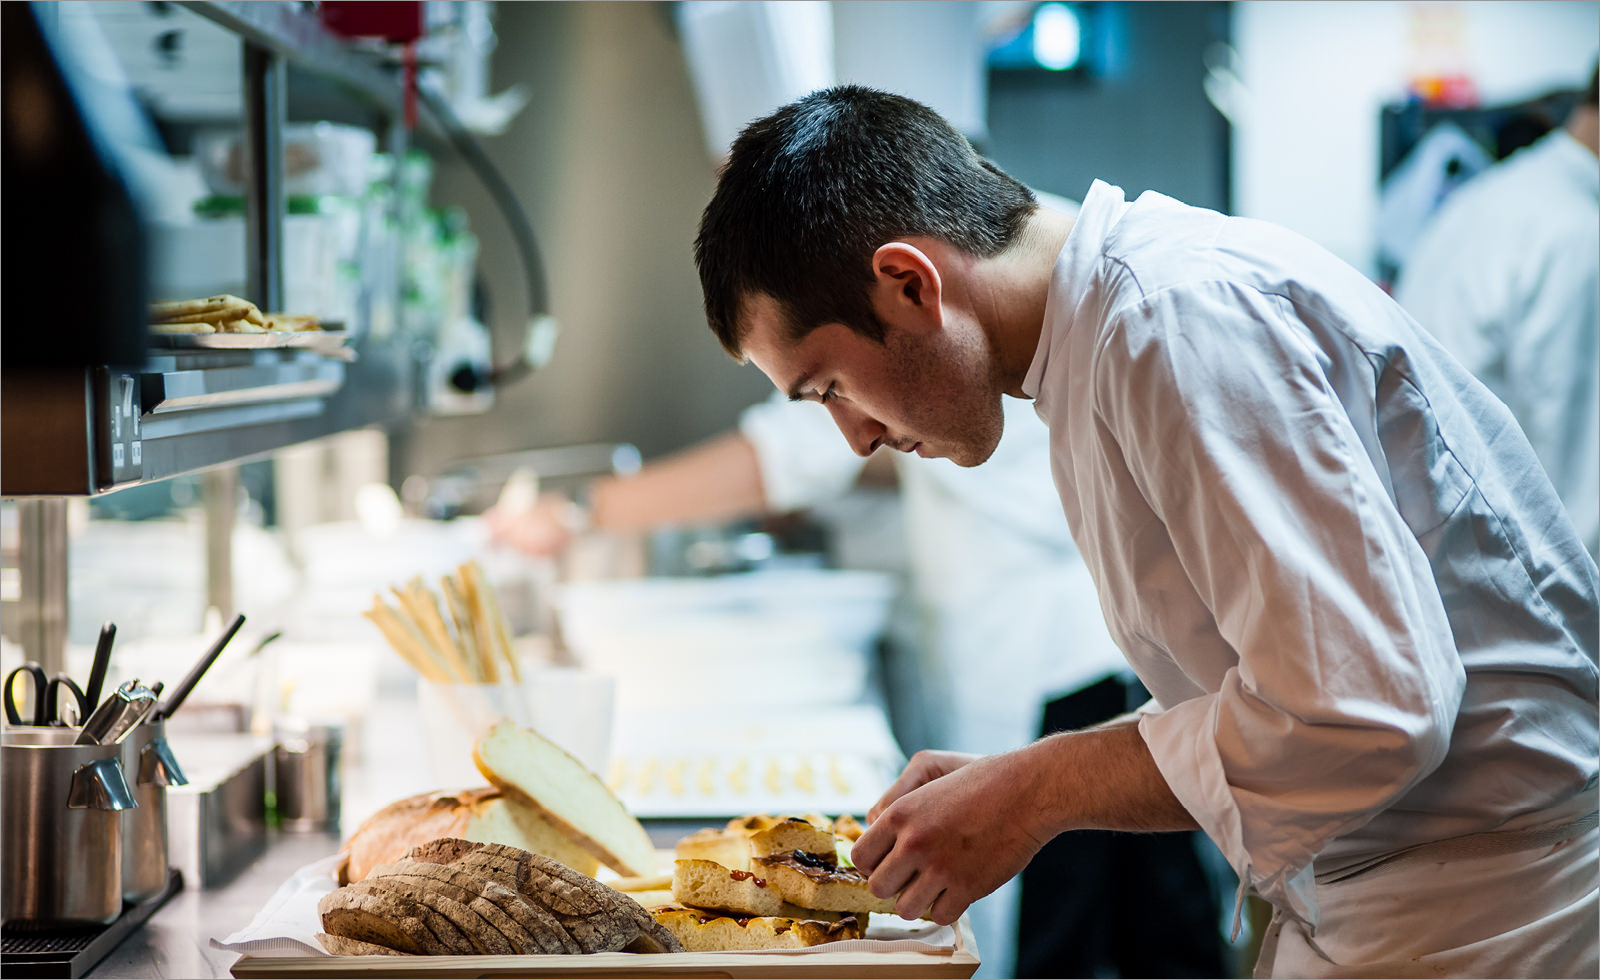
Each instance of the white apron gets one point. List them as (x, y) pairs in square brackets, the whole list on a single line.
[(1448, 910)]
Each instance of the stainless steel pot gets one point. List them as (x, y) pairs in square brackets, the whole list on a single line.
[(60, 833), (148, 763)]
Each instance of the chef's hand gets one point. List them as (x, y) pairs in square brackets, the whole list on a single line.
[(924, 767), (546, 528), (951, 830)]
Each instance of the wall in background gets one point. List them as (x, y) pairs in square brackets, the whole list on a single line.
[(1140, 120), (1314, 77), (609, 161)]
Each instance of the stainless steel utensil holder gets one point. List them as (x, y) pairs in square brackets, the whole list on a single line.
[(148, 762), (60, 833)]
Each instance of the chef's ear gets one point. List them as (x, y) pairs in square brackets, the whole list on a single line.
[(907, 287)]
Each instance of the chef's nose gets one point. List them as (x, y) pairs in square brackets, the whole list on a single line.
[(863, 433)]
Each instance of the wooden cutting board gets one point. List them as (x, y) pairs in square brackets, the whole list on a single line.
[(959, 962)]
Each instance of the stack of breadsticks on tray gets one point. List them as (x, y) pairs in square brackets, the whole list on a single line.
[(469, 644), (224, 314)]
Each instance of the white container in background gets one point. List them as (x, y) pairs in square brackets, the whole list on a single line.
[(572, 707), (808, 636)]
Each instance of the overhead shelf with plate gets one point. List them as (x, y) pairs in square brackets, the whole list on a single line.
[(203, 400)]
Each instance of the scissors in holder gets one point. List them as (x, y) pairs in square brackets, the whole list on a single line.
[(46, 697)]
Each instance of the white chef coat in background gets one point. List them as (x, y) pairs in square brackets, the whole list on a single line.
[(1327, 551), (1006, 613), (1507, 276)]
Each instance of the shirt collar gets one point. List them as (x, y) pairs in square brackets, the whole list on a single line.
[(1576, 159), (1071, 278)]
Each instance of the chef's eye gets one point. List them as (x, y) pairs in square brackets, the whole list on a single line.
[(829, 393)]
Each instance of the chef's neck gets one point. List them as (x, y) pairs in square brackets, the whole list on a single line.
[(1584, 126), (1018, 287)]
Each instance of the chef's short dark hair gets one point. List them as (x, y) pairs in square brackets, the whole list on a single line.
[(810, 192)]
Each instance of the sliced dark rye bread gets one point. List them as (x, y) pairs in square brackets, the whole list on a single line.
[(345, 946), (589, 910), (480, 921), (379, 919), (527, 925), (420, 904)]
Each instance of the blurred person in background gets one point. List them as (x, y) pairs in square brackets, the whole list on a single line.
[(1507, 276), (995, 585)]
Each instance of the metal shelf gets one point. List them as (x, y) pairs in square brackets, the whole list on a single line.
[(287, 31), (78, 431)]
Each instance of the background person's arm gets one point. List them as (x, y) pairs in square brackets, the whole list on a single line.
[(716, 480)]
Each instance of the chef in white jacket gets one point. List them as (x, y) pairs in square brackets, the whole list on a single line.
[(1507, 276), (1368, 626), (996, 587)]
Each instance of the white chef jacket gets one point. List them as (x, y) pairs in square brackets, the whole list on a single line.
[(1328, 552), (1507, 276)]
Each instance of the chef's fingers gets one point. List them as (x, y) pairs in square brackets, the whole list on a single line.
[(870, 848), (923, 768), (892, 874), (946, 908), (918, 897)]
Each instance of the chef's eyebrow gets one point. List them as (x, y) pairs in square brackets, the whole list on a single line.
[(797, 391)]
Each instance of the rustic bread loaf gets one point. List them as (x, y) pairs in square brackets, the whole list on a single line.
[(701, 931), (546, 778), (483, 814)]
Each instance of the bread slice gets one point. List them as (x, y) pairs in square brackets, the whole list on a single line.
[(708, 885), (729, 848), (499, 819), (382, 921), (343, 946), (530, 927), (591, 913), (794, 834), (820, 885), (535, 771), (419, 903), (701, 931), (483, 814), (467, 892)]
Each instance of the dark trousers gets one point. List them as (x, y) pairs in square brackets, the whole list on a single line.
[(1100, 903)]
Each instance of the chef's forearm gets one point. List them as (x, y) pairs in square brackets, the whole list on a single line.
[(1103, 779), (717, 480)]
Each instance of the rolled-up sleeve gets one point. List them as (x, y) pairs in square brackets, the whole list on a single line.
[(1338, 683)]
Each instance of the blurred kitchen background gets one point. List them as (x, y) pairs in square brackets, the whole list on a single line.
[(603, 124)]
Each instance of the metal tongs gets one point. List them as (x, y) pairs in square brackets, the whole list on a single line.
[(117, 715)]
